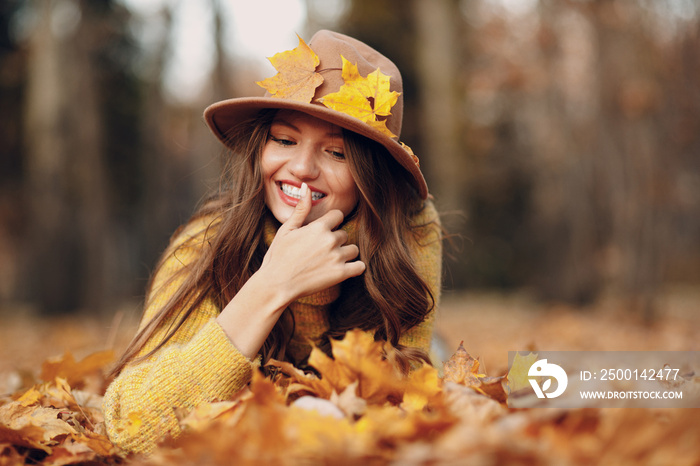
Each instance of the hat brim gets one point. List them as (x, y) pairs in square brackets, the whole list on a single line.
[(223, 115)]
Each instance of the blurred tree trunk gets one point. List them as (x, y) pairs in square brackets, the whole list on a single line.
[(51, 244), (566, 221), (436, 58), (179, 165), (98, 249), (222, 77), (633, 164), (157, 218), (70, 239), (12, 86)]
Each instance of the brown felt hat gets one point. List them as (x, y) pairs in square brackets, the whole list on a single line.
[(329, 47)]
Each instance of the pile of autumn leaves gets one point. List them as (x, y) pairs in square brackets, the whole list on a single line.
[(360, 410)]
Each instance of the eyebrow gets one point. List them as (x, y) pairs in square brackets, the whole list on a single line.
[(283, 122)]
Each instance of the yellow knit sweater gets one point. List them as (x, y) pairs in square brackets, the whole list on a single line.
[(200, 364)]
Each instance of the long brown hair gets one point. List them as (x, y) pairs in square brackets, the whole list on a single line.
[(389, 298)]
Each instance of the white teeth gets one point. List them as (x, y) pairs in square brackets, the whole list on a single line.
[(293, 191)]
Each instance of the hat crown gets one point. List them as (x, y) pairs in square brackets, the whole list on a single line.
[(331, 47)]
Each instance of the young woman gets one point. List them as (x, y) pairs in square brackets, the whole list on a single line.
[(322, 224)]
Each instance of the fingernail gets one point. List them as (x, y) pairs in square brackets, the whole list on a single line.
[(304, 189)]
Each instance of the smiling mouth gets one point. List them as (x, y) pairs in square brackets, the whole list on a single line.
[(293, 191)]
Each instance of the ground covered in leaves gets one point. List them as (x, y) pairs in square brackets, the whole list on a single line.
[(360, 410)]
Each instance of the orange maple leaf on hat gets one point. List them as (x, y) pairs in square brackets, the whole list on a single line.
[(296, 77), (365, 98)]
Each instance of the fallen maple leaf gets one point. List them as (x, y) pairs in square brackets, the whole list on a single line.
[(30, 397), (422, 385), (357, 357), (74, 372), (461, 368), (415, 419), (52, 419), (30, 436), (296, 77), (517, 377), (98, 443), (493, 387), (32, 426)]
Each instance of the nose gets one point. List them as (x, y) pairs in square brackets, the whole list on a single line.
[(304, 164)]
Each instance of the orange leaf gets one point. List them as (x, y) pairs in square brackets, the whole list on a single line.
[(32, 426), (334, 376), (493, 387), (26, 436), (410, 151), (423, 384), (75, 372), (98, 443), (362, 359), (296, 77), (30, 397), (202, 415)]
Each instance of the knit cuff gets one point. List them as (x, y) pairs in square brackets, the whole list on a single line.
[(214, 365)]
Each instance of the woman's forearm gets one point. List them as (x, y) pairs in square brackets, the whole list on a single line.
[(252, 313)]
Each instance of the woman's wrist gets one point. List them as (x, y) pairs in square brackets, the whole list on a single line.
[(252, 313)]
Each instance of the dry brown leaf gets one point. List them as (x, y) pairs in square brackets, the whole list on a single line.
[(461, 368), (493, 388), (32, 426), (97, 442), (69, 452), (29, 436), (388, 419)]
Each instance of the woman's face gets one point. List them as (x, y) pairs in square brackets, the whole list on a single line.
[(305, 149)]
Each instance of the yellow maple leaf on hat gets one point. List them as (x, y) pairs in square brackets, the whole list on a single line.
[(296, 77), (365, 98)]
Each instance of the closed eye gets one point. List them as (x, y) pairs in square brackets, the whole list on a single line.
[(336, 154), (282, 141)]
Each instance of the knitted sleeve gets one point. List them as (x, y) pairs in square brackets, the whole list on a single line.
[(198, 364), (427, 254)]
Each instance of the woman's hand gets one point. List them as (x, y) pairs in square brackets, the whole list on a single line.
[(304, 259), (301, 260)]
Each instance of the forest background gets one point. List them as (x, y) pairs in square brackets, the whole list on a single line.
[(560, 138)]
